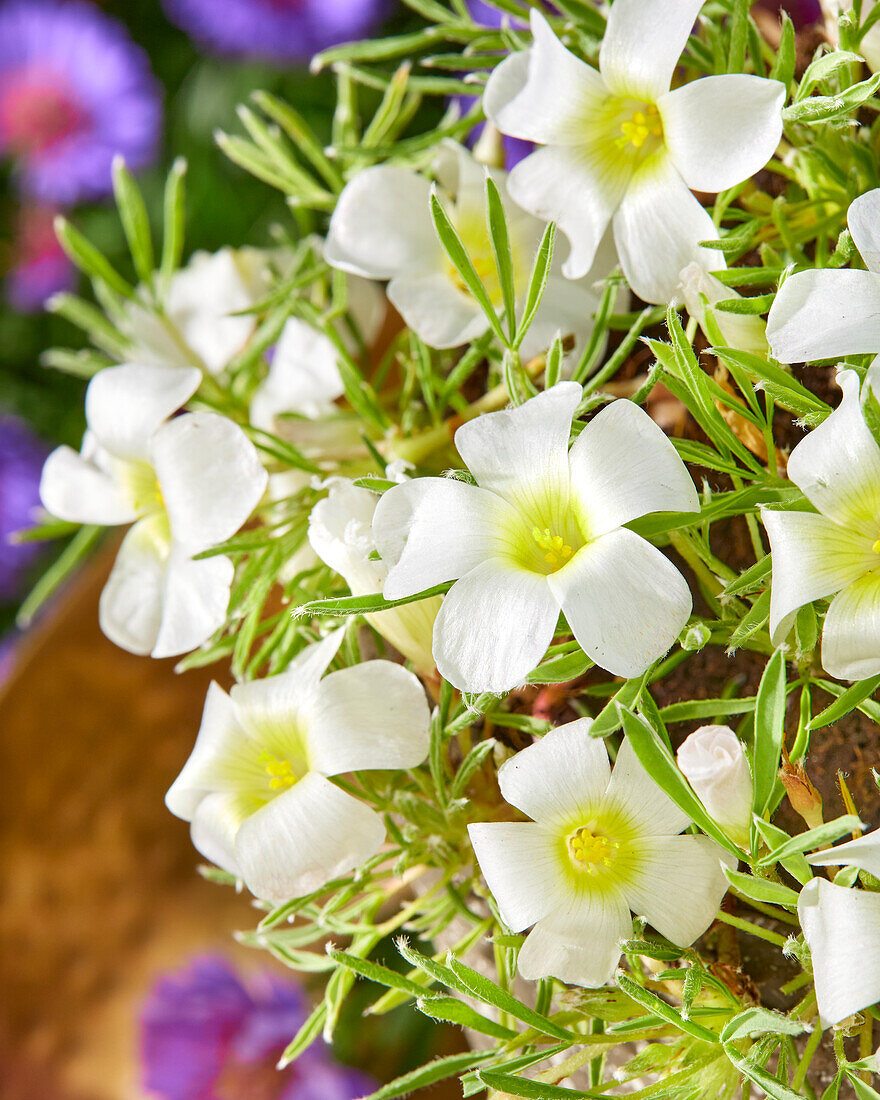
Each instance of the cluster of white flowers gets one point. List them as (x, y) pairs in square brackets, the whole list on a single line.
[(528, 524)]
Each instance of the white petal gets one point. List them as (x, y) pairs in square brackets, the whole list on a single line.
[(520, 862), (713, 761), (624, 466), (838, 464), (640, 803), (842, 928), (341, 534), (738, 330), (851, 635), (522, 452), (126, 404), (722, 129), (368, 307), (579, 188), (208, 769), (74, 489), (273, 707), (382, 225), (372, 715), (202, 300), (863, 852), (494, 626), (559, 778), (303, 376), (131, 605), (436, 310), (567, 308), (825, 315), (677, 882), (579, 944), (625, 602), (305, 837), (430, 530), (657, 230), (215, 825), (544, 94), (812, 558), (194, 601), (862, 219), (643, 43), (210, 475)]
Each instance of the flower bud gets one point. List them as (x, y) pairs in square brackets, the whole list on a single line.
[(803, 796), (713, 762)]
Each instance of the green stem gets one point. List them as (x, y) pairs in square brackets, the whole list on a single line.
[(752, 929), (810, 1049)]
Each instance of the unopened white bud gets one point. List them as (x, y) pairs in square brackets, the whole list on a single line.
[(713, 762)]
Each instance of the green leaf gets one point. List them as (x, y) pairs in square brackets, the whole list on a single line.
[(375, 972), (79, 548), (659, 764), (134, 218), (453, 1011), (174, 221), (438, 1070), (491, 994), (659, 1007), (523, 1086), (496, 221), (537, 281), (769, 730), (862, 1091), (753, 621), (88, 259), (820, 837), (469, 765), (822, 108), (786, 54), (759, 1021), (608, 719), (761, 889), (361, 605), (461, 261), (561, 668), (306, 1035), (846, 702), (770, 1084), (775, 837)]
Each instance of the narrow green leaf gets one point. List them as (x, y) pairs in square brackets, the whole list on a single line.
[(173, 222), (461, 261), (375, 972), (771, 1085), (88, 259), (496, 220), (453, 1011), (134, 218), (439, 1070), (79, 547), (820, 837), (769, 730), (846, 703), (759, 1021), (659, 1007), (762, 889), (491, 994), (361, 605), (659, 764), (506, 1083), (537, 281)]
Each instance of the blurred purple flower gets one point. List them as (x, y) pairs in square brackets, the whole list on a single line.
[(74, 90), (275, 30), (21, 462), (207, 1036), (39, 266), (803, 13)]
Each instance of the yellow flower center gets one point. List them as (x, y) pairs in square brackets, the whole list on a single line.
[(280, 772), (637, 128), (590, 851), (557, 550), (876, 547), (139, 483)]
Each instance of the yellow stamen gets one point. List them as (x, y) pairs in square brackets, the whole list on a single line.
[(876, 547), (590, 851), (644, 123), (558, 551), (280, 772)]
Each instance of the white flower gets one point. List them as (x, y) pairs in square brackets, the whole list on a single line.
[(341, 534), (304, 373), (829, 313), (837, 552), (713, 762), (863, 852), (200, 328), (620, 147), (842, 928), (743, 331), (599, 845), (541, 532), (382, 229), (186, 483), (256, 789)]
